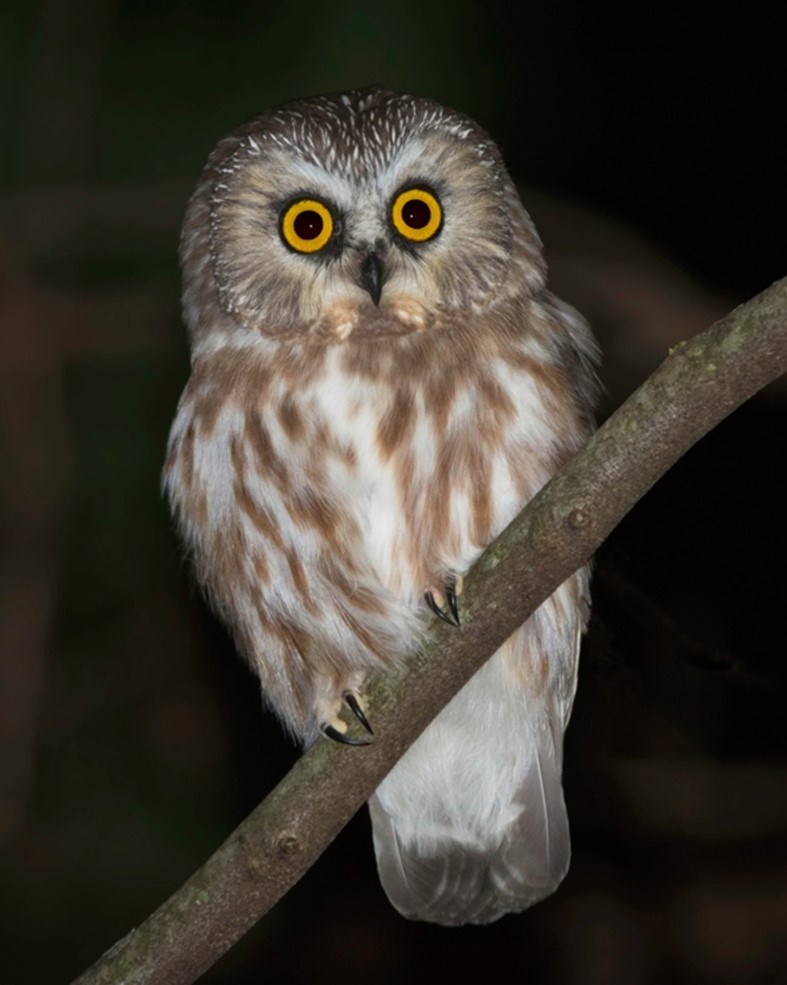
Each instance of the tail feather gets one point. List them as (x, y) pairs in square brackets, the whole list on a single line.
[(471, 823), (450, 877), (534, 854)]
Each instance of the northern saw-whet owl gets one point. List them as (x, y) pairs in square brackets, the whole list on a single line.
[(380, 381)]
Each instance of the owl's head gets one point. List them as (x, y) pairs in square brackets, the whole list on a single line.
[(364, 213)]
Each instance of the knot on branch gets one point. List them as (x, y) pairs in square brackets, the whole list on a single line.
[(286, 844), (578, 518)]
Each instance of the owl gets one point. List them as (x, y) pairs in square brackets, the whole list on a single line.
[(380, 381)]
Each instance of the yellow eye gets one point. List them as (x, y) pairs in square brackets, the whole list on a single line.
[(417, 214), (306, 225)]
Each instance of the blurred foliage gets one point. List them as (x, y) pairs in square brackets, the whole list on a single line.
[(132, 737)]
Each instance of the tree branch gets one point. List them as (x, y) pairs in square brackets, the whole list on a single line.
[(700, 383)]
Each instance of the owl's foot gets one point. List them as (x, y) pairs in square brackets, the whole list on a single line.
[(336, 729), (443, 602)]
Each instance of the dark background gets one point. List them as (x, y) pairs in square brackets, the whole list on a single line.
[(648, 146)]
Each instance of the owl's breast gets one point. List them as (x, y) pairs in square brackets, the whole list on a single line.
[(408, 454), (436, 464)]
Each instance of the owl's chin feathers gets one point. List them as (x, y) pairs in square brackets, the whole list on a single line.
[(397, 314)]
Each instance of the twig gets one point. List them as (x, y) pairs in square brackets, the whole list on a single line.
[(696, 387)]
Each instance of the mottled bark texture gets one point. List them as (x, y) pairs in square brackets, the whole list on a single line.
[(699, 384)]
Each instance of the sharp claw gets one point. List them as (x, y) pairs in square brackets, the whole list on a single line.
[(337, 736), (355, 707), (450, 594), (453, 618), (430, 601)]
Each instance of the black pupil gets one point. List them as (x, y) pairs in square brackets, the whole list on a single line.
[(308, 224), (416, 214)]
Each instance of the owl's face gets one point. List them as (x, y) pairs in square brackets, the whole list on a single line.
[(368, 213)]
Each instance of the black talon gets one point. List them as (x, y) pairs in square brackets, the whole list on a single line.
[(450, 594), (337, 736), (355, 708), (453, 619)]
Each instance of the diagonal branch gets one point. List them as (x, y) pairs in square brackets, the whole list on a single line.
[(700, 383)]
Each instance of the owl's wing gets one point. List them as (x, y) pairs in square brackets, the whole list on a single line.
[(471, 823)]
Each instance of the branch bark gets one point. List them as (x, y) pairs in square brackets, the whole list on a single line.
[(699, 384)]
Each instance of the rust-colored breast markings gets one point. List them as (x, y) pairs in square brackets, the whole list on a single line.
[(268, 528), (398, 422), (291, 419), (466, 448), (311, 508), (271, 466), (299, 580), (187, 456), (256, 512), (220, 565), (496, 407)]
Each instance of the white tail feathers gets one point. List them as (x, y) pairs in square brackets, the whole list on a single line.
[(471, 824), (450, 878)]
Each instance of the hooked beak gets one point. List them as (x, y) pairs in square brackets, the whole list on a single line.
[(372, 276)]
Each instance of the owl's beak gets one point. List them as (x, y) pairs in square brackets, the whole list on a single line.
[(372, 276)]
